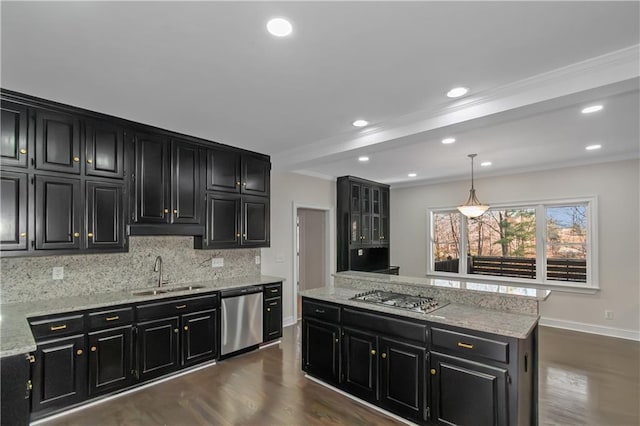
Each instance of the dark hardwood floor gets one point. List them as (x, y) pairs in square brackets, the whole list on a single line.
[(585, 379)]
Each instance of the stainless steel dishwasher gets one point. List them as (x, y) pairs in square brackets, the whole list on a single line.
[(241, 318)]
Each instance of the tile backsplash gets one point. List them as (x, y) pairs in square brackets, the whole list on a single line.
[(30, 278)]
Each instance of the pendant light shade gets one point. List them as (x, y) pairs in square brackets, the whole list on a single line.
[(473, 207)]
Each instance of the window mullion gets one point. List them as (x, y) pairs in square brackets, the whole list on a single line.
[(541, 245), (463, 245)]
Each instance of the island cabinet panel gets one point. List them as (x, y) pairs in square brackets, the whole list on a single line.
[(104, 149), (467, 393), (59, 374), (402, 384), (110, 360), (58, 213), (151, 177), (13, 139), (321, 350), (57, 138), (158, 347), (360, 363), (199, 341), (105, 215), (15, 390), (13, 209)]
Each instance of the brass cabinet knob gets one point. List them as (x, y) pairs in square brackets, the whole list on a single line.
[(23, 151), (237, 235), (32, 359), (433, 371), (29, 385), (383, 355), (89, 161), (244, 183), (166, 210), (23, 234), (175, 330), (93, 349), (76, 234), (237, 183), (337, 340), (186, 328), (373, 351), (175, 211), (90, 235), (268, 309), (79, 352), (76, 159), (244, 235)]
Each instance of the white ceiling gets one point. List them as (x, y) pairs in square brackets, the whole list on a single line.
[(210, 69)]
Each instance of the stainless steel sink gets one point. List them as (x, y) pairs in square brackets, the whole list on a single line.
[(184, 288), (149, 292)]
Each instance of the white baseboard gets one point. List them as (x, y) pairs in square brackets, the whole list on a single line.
[(591, 328), (286, 322)]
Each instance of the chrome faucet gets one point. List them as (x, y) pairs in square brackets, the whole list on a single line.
[(157, 267)]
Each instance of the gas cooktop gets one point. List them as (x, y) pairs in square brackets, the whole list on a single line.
[(397, 300)]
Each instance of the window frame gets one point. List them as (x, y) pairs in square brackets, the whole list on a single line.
[(590, 286)]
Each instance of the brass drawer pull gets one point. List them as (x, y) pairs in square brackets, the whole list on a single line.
[(320, 311), (112, 318), (181, 306), (274, 290), (465, 345), (273, 304), (58, 327)]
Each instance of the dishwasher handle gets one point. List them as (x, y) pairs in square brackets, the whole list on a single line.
[(240, 291)]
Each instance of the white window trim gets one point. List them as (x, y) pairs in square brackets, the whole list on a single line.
[(592, 284)]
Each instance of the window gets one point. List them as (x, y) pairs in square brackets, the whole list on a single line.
[(543, 242)]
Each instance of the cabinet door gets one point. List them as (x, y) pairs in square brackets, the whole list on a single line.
[(375, 215), (110, 360), (255, 221), (366, 217), (58, 213), (104, 150), (255, 175), (152, 200), (13, 211), (57, 142), (272, 319), (321, 350), (384, 216), (158, 350), (223, 170), (355, 231), (105, 215), (402, 381), (59, 374), (199, 336), (223, 220), (467, 393), (185, 187), (14, 390), (360, 364), (13, 138)]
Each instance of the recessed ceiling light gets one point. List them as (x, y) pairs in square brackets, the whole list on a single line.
[(279, 27), (412, 175), (448, 141), (593, 147), (485, 163), (456, 92), (592, 108), (360, 123), (363, 159)]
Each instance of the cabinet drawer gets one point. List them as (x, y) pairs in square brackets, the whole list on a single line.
[(321, 311), (57, 326), (470, 345), (110, 318), (176, 307), (272, 290), (385, 324)]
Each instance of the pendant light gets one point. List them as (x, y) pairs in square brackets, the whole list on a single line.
[(473, 207)]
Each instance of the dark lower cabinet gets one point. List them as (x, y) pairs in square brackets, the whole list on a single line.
[(360, 363), (58, 213), (199, 341), (402, 379), (158, 347), (59, 374), (110, 360), (321, 350), (467, 393), (13, 210), (15, 390), (272, 320)]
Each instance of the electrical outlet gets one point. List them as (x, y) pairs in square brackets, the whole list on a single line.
[(608, 315), (257, 260), (58, 273), (217, 262)]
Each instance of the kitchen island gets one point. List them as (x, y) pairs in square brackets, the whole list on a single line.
[(472, 360)]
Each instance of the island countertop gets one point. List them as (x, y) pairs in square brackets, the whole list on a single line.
[(503, 323), (15, 333)]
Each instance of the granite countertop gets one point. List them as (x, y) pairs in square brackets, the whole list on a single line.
[(15, 333), (486, 320)]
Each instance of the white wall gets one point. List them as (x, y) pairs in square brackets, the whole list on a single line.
[(287, 189), (617, 188)]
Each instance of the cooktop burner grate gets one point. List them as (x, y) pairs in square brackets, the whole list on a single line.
[(397, 300)]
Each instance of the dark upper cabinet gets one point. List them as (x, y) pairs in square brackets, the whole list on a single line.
[(13, 210), (321, 350), (151, 178), (104, 215), (467, 393), (57, 138), (110, 360), (13, 139), (59, 374), (199, 331), (384, 215), (158, 349), (185, 186), (58, 213), (223, 170), (360, 363), (255, 221), (256, 172), (104, 149)]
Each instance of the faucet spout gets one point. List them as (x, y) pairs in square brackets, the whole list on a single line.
[(157, 267)]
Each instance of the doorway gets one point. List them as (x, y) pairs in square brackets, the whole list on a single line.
[(312, 251)]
